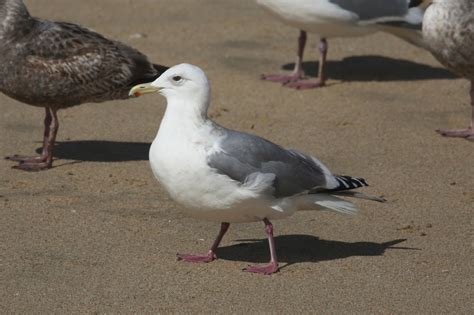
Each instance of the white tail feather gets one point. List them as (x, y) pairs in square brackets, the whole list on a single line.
[(360, 195), (412, 36), (340, 205), (308, 202)]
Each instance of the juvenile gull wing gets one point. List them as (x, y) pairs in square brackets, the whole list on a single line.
[(87, 66), (241, 154), (56, 65)]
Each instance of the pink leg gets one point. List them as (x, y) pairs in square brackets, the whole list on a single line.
[(272, 266), (42, 157), (211, 254), (297, 71), (47, 153), (468, 132), (321, 80)]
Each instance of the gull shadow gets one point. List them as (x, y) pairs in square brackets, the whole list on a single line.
[(101, 151), (375, 68), (303, 248)]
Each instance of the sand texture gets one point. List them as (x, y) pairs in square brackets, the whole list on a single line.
[(98, 234)]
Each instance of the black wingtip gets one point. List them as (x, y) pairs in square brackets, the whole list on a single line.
[(348, 182)]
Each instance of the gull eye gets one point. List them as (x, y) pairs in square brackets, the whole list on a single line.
[(177, 78)]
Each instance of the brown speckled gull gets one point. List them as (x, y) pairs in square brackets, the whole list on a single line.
[(448, 29), (56, 65)]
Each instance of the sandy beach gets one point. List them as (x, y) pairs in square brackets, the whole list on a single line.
[(98, 234)]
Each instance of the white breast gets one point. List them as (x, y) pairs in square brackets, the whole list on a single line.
[(180, 164)]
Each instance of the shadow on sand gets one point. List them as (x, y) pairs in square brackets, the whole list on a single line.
[(101, 151), (303, 248), (375, 68)]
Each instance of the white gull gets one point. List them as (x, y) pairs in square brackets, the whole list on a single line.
[(342, 18), (222, 175)]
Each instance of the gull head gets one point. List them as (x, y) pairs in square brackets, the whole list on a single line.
[(180, 82)]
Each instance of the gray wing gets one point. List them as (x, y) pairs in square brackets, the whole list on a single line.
[(374, 9), (67, 64), (243, 154)]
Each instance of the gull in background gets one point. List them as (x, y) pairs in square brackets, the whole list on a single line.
[(227, 176), (57, 65), (342, 18), (448, 30)]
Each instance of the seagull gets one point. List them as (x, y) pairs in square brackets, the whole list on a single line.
[(342, 18), (448, 29), (222, 175), (57, 65)]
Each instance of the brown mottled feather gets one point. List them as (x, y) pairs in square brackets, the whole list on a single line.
[(58, 64), (448, 29)]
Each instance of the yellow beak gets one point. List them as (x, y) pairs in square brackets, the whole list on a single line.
[(145, 88)]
